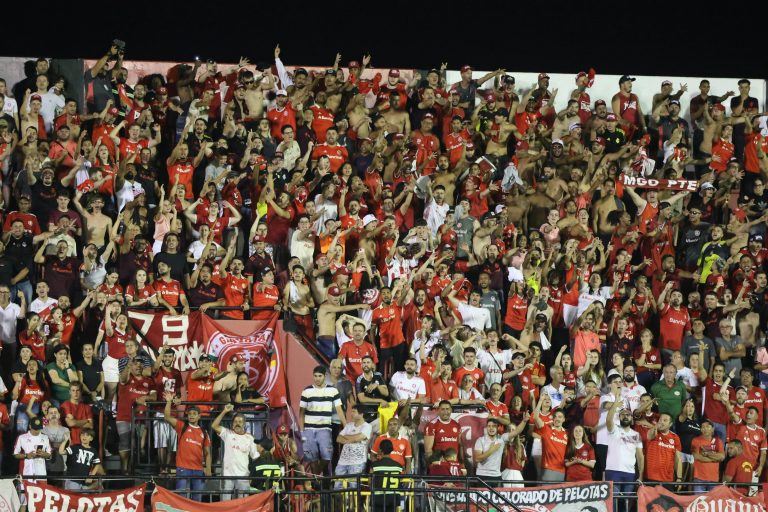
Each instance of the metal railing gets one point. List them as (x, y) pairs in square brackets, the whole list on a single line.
[(144, 458), (357, 492)]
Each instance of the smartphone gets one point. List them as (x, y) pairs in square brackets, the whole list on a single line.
[(39, 447)]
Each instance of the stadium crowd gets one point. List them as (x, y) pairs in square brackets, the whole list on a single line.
[(445, 246)]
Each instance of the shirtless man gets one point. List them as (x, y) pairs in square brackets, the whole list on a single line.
[(447, 177), (602, 209), (97, 225), (359, 119), (333, 87), (254, 92), (553, 187), (481, 238), (597, 123), (326, 320), (566, 118), (398, 120), (517, 208), (371, 231), (499, 134)]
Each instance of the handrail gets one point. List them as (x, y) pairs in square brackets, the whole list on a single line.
[(497, 494)]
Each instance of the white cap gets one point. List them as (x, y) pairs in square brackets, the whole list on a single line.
[(369, 218), (281, 92), (558, 141)]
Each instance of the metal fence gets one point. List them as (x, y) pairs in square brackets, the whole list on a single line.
[(356, 493)]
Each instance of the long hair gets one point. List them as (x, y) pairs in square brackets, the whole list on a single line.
[(39, 378), (570, 450)]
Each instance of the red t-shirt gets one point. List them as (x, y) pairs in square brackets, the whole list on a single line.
[(352, 355), (580, 472), (127, 393), (190, 448), (441, 390), (707, 471), (116, 343), (322, 120), (390, 326), (446, 468), (235, 294), (446, 434), (752, 439), (200, 391), (279, 118), (35, 342), (517, 311), (660, 457), (184, 169), (266, 298), (553, 445), (714, 410), (80, 411), (672, 326), (401, 448), (336, 154), (29, 220), (476, 373), (170, 290), (30, 388), (128, 147)]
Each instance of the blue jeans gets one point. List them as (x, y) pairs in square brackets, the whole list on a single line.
[(22, 418), (26, 287), (702, 486), (719, 430), (623, 483), (183, 476)]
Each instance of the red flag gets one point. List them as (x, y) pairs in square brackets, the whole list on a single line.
[(163, 500)]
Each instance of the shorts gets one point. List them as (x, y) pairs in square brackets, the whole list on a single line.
[(124, 432), (687, 457), (164, 434), (512, 478), (111, 371), (350, 470), (317, 444)]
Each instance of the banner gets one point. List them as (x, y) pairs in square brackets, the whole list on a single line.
[(42, 497), (636, 181), (164, 500), (576, 497), (656, 499), (259, 342)]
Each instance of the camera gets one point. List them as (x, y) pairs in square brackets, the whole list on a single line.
[(120, 45)]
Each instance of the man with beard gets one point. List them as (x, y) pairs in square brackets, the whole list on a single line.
[(596, 124), (239, 449), (446, 176), (564, 119), (282, 114), (372, 390), (234, 283), (631, 391), (436, 206), (397, 119), (169, 291), (407, 385), (387, 327), (668, 124), (61, 271), (167, 380), (625, 448), (181, 166), (69, 316), (336, 153), (203, 292), (674, 321), (626, 106), (326, 320)]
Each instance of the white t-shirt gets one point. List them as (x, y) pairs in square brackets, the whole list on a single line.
[(688, 377), (605, 404), (8, 317), (476, 318), (38, 305), (303, 249), (407, 387), (492, 465), (10, 106), (632, 395), (238, 450), (196, 249), (622, 449), (355, 453), (493, 364), (435, 215), (27, 443), (556, 395)]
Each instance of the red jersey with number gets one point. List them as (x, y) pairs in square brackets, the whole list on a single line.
[(170, 290), (390, 326), (135, 387), (184, 169), (446, 434), (235, 294), (336, 154), (660, 456)]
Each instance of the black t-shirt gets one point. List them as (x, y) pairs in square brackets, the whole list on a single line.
[(21, 249), (91, 373), (687, 430), (370, 411), (9, 267), (177, 262), (202, 294), (614, 140), (98, 91), (80, 460)]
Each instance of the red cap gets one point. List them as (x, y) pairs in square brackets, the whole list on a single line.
[(353, 64), (239, 86), (454, 91), (113, 111), (581, 74), (259, 238), (162, 91), (509, 231), (610, 117), (394, 73), (599, 102), (490, 97), (469, 145), (466, 67), (543, 75), (36, 97), (428, 115), (645, 140), (522, 145), (283, 429), (334, 291), (718, 106), (600, 140), (399, 136)]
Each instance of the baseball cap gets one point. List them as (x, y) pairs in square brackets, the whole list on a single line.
[(162, 91), (675, 102), (205, 357), (330, 71), (664, 204), (36, 424), (394, 73), (573, 126), (757, 237), (283, 429), (353, 64), (466, 67), (259, 238), (509, 80), (558, 141), (334, 291), (610, 117), (281, 92), (490, 97), (599, 102), (369, 218), (35, 97), (599, 140), (543, 75), (540, 317), (666, 82), (626, 78), (113, 111)]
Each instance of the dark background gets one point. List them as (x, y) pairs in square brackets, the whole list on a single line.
[(699, 39)]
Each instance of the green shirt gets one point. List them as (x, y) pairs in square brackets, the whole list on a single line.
[(670, 400), (59, 392)]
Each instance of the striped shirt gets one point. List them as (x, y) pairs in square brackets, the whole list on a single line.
[(318, 405)]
